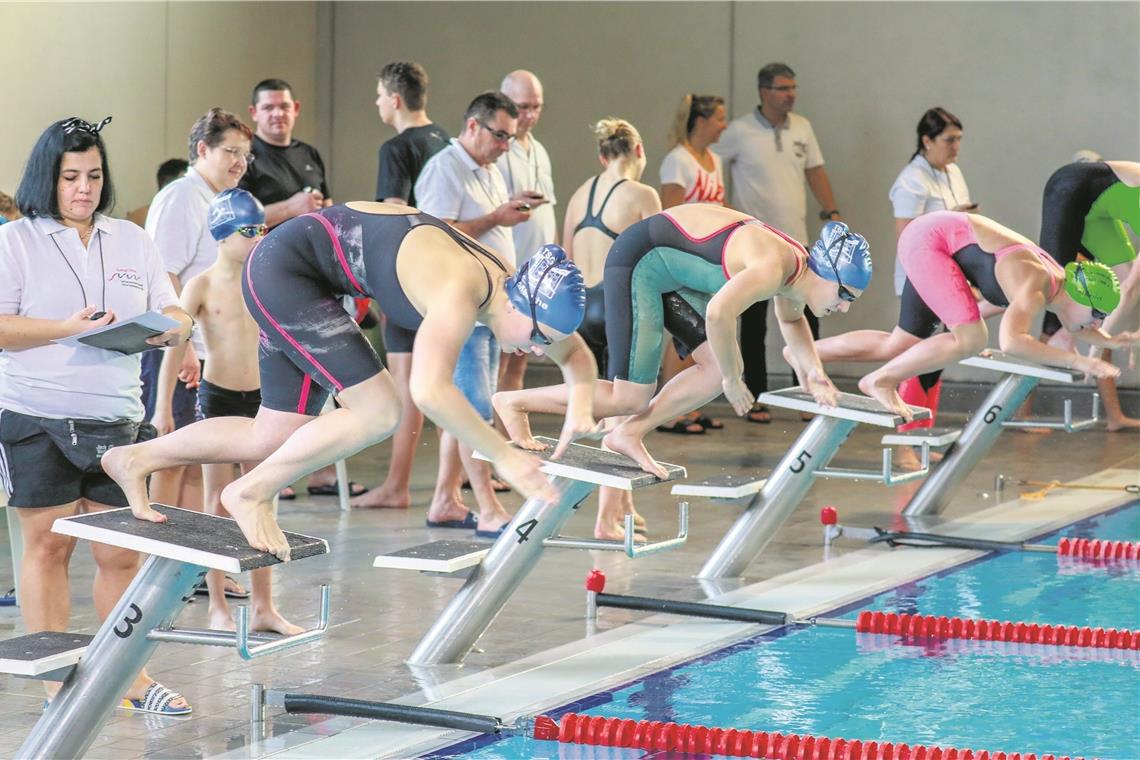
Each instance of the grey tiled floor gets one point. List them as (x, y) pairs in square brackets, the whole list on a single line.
[(379, 615)]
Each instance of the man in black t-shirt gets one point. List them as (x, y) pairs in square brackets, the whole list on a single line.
[(287, 175), (401, 99)]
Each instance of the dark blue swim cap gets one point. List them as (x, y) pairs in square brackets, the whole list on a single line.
[(841, 256), (231, 209), (553, 284)]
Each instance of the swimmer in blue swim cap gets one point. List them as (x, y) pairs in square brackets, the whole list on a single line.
[(692, 271)]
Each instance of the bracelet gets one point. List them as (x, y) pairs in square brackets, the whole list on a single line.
[(826, 215)]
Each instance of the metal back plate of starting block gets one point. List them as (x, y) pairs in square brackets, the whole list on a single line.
[(43, 652), (999, 361), (436, 556), (728, 485), (187, 536), (851, 406), (591, 464)]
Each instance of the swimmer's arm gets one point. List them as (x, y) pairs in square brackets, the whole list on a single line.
[(672, 195), (753, 283), (1129, 295), (650, 202), (579, 371), (1014, 334), (438, 342), (797, 333)]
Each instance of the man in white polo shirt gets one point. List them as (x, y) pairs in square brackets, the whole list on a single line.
[(771, 152), (462, 186), (528, 173)]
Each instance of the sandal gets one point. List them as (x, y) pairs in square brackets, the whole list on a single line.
[(708, 423), (287, 494), (760, 414), (156, 700), (498, 486), (683, 426), (333, 489)]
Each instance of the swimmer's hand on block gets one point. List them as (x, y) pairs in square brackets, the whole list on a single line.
[(591, 464), (849, 406)]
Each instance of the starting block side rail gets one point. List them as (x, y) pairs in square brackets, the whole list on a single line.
[(1066, 422), (629, 544), (887, 476)]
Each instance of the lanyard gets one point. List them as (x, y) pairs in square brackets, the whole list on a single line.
[(78, 279)]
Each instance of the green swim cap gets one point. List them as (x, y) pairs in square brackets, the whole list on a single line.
[(1092, 284)]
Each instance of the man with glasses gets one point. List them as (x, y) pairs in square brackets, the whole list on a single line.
[(289, 175), (528, 174), (462, 185), (770, 152)]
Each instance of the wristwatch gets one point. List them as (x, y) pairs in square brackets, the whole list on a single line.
[(826, 215)]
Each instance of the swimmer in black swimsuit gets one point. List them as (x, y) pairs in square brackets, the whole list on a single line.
[(423, 274)]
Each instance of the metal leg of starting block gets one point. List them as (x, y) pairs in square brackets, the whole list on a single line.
[(979, 435), (113, 659), (508, 562), (785, 489)]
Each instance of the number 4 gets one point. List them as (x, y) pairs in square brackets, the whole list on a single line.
[(525, 529)]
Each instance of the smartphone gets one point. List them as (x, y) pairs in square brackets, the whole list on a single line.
[(523, 207)]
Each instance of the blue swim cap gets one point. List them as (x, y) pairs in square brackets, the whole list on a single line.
[(841, 256), (551, 284), (231, 209)]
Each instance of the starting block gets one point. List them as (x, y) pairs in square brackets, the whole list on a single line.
[(43, 654), (726, 487), (851, 406), (435, 557), (590, 464)]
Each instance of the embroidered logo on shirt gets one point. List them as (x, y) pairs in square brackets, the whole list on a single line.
[(127, 277), (800, 148)]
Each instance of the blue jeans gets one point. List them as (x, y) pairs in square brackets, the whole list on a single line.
[(477, 370)]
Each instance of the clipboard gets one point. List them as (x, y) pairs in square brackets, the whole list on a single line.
[(126, 336)]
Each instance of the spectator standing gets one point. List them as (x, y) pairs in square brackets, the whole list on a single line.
[(462, 185), (168, 171), (771, 152), (401, 100), (66, 268)]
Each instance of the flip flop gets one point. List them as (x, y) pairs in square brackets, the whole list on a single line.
[(759, 409), (498, 485), (287, 494), (492, 534), (202, 590), (683, 427), (331, 489), (708, 423), (156, 700), (467, 523)]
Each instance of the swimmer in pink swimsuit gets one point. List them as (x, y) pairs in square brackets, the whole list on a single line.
[(943, 255)]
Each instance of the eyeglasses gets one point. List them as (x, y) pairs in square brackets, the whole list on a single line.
[(844, 293), (782, 88), (536, 334), (238, 154), (498, 134), (1084, 283), (253, 230)]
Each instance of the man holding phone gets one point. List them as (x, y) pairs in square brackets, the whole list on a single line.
[(527, 172)]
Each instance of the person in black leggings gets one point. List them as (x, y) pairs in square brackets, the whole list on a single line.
[(423, 274)]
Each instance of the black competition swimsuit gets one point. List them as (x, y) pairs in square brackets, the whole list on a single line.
[(293, 285), (593, 220)]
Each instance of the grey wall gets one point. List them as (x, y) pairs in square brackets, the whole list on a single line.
[(1033, 82)]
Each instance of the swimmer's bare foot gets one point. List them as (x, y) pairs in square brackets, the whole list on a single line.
[(906, 458), (126, 468), (634, 448), (269, 619), (886, 392), (516, 420), (221, 619), (382, 497), (256, 520), (1118, 424)]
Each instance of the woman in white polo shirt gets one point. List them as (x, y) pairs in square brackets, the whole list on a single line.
[(65, 268), (692, 173), (931, 181)]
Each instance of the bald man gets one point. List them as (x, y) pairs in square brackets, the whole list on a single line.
[(526, 170)]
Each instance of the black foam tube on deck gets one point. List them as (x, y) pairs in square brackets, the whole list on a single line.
[(900, 538), (420, 716), (692, 609)]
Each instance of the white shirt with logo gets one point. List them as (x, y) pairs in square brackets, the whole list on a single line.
[(530, 171), (767, 164), (120, 271), (454, 187), (680, 167), (920, 189)]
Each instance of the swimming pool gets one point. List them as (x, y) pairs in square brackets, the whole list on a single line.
[(983, 695)]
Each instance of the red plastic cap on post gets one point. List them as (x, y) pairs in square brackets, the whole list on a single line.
[(596, 581), (829, 516), (545, 728)]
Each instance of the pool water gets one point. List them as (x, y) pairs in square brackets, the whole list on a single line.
[(979, 695)]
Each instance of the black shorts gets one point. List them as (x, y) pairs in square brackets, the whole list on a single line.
[(216, 401), (48, 462), (184, 404)]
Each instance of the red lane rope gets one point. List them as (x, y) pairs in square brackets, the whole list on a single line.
[(995, 630), (1098, 550), (682, 737)]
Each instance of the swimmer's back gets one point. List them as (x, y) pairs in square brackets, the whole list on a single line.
[(630, 202)]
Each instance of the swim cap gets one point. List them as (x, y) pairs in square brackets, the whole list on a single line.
[(231, 209), (1092, 284), (550, 286), (841, 256)]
